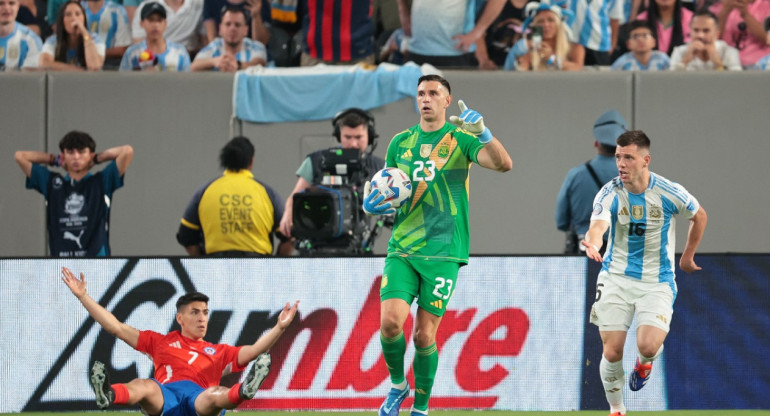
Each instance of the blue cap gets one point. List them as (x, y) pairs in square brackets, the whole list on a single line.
[(608, 127)]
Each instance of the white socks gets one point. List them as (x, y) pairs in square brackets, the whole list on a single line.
[(613, 380), (399, 386), (645, 360)]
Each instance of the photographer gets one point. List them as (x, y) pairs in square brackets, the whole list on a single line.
[(353, 129)]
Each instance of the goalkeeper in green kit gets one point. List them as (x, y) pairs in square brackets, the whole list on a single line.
[(430, 236)]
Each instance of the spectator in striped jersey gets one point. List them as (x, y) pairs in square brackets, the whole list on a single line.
[(641, 56), (19, 46), (232, 50)]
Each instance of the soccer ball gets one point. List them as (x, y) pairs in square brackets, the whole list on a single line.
[(393, 184)]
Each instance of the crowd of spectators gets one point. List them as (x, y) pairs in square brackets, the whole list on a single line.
[(520, 35)]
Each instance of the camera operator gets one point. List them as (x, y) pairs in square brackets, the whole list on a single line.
[(353, 129)]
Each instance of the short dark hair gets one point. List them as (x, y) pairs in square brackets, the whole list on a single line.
[(77, 140), (189, 298), (352, 119), (704, 12), (638, 24), (237, 154), (234, 9), (636, 137), (437, 78)]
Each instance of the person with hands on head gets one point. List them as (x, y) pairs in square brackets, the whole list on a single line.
[(430, 241), (78, 203), (637, 275), (188, 369), (72, 47)]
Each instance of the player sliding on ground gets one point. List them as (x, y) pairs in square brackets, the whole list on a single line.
[(187, 368)]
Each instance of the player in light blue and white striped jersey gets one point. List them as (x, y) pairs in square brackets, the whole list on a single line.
[(19, 46), (232, 50), (637, 276)]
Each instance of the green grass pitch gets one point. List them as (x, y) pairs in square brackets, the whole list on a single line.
[(447, 413)]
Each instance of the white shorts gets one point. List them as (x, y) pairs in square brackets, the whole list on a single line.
[(618, 298)]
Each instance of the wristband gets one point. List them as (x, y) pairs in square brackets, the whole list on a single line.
[(551, 60), (485, 136)]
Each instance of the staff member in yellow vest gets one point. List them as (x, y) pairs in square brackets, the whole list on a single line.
[(233, 215)]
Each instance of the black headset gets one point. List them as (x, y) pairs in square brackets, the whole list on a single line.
[(363, 113)]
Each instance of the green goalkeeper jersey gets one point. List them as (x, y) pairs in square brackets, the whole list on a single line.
[(433, 222)]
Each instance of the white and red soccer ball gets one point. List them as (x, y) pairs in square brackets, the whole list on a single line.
[(393, 184)]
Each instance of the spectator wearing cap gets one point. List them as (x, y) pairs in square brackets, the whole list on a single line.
[(551, 48), (232, 50), (155, 53), (573, 205), (184, 23)]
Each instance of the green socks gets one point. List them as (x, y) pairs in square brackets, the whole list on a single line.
[(393, 349), (425, 366)]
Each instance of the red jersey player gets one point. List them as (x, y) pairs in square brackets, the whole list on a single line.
[(187, 368)]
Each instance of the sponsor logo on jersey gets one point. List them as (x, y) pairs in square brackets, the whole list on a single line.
[(623, 211), (656, 212), (74, 203), (384, 281), (425, 149), (407, 155), (175, 344), (438, 304), (13, 53), (637, 212), (597, 209)]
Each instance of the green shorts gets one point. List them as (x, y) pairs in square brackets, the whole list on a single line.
[(431, 282)]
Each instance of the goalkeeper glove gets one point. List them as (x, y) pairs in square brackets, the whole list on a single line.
[(473, 122), (373, 204)]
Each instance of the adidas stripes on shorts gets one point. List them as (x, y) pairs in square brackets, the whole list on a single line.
[(432, 282)]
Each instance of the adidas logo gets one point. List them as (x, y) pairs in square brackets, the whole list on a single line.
[(175, 344), (623, 211), (437, 304), (407, 154)]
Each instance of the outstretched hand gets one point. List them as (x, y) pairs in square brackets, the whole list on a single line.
[(287, 314), (77, 286), (473, 122), (592, 252)]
